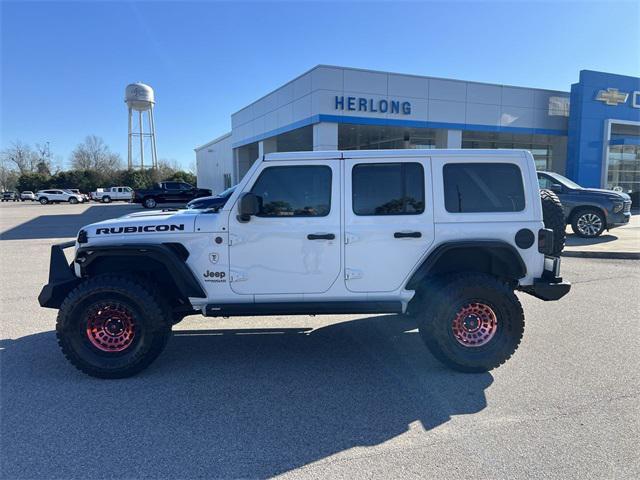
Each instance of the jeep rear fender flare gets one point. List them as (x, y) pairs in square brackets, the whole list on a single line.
[(172, 256), (489, 256)]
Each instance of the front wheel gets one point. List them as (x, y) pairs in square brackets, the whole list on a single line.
[(149, 203), (106, 199), (588, 223), (44, 201), (73, 200), (112, 326), (471, 322)]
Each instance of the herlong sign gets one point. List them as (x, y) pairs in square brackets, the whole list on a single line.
[(362, 104)]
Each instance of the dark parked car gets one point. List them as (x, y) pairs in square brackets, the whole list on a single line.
[(589, 210), (169, 192), (215, 201)]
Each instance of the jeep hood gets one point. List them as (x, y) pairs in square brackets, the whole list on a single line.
[(144, 223)]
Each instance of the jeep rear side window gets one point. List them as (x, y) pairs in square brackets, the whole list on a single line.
[(388, 189), (296, 191), (483, 187)]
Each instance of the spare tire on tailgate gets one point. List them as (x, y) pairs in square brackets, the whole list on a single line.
[(553, 217)]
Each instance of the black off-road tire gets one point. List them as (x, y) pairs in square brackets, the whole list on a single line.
[(447, 297), (587, 212), (553, 217), (150, 317)]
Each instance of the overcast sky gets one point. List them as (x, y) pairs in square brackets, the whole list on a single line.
[(65, 65)]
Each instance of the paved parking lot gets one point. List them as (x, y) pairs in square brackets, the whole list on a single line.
[(312, 397)]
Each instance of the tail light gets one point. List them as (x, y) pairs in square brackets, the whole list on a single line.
[(545, 241)]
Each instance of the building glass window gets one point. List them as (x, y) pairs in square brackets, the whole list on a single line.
[(541, 153), (374, 137), (296, 191), (623, 171), (483, 187), (388, 189)]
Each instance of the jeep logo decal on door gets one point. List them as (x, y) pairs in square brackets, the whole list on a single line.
[(210, 276)]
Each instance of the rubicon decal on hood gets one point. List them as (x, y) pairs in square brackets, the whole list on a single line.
[(140, 229)]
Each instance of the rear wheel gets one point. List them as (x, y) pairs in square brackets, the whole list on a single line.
[(588, 223), (106, 199), (553, 217), (471, 322), (73, 200), (112, 326), (44, 200), (149, 202)]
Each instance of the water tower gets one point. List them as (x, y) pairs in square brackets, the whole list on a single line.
[(139, 98)]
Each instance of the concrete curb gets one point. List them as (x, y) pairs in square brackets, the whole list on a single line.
[(609, 255)]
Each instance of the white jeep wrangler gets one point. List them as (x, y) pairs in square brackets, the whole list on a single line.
[(445, 236)]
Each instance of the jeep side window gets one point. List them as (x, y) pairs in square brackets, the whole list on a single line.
[(295, 191), (483, 187), (387, 189)]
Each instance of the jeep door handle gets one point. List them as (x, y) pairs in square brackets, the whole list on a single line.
[(321, 236), (407, 235)]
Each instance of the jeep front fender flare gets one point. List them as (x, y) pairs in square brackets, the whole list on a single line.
[(172, 256), (505, 260)]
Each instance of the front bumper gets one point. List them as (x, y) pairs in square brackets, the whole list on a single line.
[(62, 278), (550, 286), (618, 219)]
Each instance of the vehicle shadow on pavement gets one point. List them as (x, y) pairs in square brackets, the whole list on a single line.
[(576, 241), (227, 403), (66, 224)]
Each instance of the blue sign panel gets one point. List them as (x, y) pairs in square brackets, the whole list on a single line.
[(596, 98), (361, 104)]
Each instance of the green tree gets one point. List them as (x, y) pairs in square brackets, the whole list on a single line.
[(136, 179), (84, 180), (182, 176), (33, 182)]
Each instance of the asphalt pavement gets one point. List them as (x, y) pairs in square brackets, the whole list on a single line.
[(319, 397)]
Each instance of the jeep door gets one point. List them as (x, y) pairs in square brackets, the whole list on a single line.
[(293, 244), (388, 220)]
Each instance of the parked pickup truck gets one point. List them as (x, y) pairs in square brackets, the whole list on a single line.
[(112, 194), (169, 192)]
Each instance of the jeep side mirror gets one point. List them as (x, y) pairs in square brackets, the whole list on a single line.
[(249, 205)]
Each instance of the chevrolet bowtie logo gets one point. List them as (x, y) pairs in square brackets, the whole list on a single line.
[(611, 96)]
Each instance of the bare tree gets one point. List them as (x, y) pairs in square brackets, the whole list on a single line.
[(20, 156), (45, 159), (8, 178), (94, 154), (167, 167)]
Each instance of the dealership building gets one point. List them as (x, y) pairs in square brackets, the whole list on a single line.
[(590, 134)]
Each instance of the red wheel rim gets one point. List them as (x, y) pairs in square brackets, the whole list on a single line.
[(110, 327), (474, 325)]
